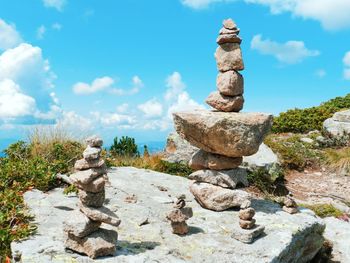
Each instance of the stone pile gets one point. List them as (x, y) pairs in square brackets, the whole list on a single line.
[(248, 230), (179, 215), (82, 230), (290, 206), (223, 135)]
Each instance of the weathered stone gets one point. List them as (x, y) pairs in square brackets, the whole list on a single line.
[(98, 244), (92, 199), (225, 103), (294, 238), (247, 214), (229, 24), (290, 210), (94, 141), (178, 150), (264, 158), (179, 228), (246, 204), (204, 160), (230, 83), (83, 164), (92, 153), (86, 176), (342, 116), (224, 31), (228, 38), (217, 198), (176, 216), (289, 202), (336, 129), (250, 235), (229, 134), (229, 57), (100, 214), (95, 186), (247, 224), (79, 225), (224, 178)]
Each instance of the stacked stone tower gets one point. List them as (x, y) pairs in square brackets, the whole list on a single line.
[(82, 229), (224, 134)]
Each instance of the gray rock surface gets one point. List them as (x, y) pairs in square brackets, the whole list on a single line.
[(230, 134), (263, 158), (247, 235), (287, 239), (178, 150), (92, 153), (338, 232), (80, 225), (338, 125), (224, 178)]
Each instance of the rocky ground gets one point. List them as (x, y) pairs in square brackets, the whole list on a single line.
[(142, 198)]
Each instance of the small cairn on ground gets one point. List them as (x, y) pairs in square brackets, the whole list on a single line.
[(290, 206), (82, 229), (248, 230), (224, 134), (179, 215)]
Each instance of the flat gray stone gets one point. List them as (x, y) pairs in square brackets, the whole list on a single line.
[(100, 214), (224, 178), (288, 238), (342, 116), (335, 128), (247, 236), (94, 141), (92, 153)]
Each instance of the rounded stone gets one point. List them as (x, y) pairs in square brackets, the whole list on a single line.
[(247, 224), (230, 83), (247, 214), (92, 199), (225, 103)]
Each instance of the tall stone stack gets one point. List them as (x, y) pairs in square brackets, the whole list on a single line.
[(229, 82), (223, 135), (82, 229)]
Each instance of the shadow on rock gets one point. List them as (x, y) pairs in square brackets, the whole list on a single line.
[(192, 230), (266, 207), (132, 248)]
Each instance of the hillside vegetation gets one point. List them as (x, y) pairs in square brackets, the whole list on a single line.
[(309, 119)]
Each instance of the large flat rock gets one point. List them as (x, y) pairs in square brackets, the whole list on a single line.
[(288, 238), (226, 133)]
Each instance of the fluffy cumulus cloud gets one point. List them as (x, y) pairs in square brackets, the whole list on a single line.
[(57, 4), (98, 84), (151, 108), (26, 86), (290, 52), (332, 14), (136, 85), (346, 62), (9, 37)]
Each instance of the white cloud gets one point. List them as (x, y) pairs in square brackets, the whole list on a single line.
[(122, 108), (151, 108), (200, 4), (57, 4), (136, 83), (40, 32), (321, 73), (72, 121), (30, 79), (9, 37), (175, 86), (56, 26), (13, 103), (332, 14), (183, 103), (98, 84), (347, 73), (346, 59), (113, 119), (290, 52)]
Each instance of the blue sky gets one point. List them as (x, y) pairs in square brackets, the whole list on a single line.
[(122, 67)]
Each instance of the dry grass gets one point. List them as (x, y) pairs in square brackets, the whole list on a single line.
[(339, 160)]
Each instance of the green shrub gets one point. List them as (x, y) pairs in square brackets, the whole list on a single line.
[(305, 120), (324, 210), (294, 154), (25, 166), (125, 146)]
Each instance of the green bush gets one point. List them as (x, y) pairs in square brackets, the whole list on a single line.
[(25, 166), (324, 210), (305, 120), (125, 146)]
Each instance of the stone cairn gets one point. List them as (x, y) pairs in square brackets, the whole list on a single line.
[(82, 229), (290, 206), (223, 135), (179, 215)]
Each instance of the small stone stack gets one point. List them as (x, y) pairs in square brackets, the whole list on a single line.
[(82, 229), (290, 206), (248, 230), (179, 215), (230, 84)]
